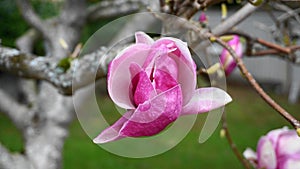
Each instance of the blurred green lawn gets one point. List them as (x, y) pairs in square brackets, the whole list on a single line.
[(248, 117)]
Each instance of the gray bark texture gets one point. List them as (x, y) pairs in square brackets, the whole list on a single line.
[(46, 110)]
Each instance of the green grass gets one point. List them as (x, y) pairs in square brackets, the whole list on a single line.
[(248, 118)]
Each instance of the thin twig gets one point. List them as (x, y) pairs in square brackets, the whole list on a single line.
[(232, 144), (281, 51), (293, 121), (265, 52), (31, 16), (274, 46)]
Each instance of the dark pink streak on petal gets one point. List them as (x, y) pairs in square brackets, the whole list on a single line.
[(152, 117), (163, 81), (288, 144), (141, 87), (289, 162)]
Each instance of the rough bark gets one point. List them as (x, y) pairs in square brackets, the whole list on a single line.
[(44, 116)]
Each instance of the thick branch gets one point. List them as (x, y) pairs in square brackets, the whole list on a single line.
[(15, 111), (235, 19), (74, 12), (109, 9), (82, 72), (8, 160), (31, 17)]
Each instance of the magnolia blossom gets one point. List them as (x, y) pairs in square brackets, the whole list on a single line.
[(203, 18), (156, 82), (279, 149), (227, 60)]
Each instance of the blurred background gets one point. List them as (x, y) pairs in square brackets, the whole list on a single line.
[(249, 117)]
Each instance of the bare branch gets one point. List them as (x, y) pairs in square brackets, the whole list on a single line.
[(110, 9), (8, 160), (287, 10), (74, 12), (235, 19), (82, 72), (31, 17), (15, 111), (232, 144), (26, 42), (284, 113)]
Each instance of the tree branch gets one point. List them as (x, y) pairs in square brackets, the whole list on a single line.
[(82, 71), (231, 143), (293, 121), (109, 9), (287, 10), (235, 19), (14, 110), (26, 42), (31, 17), (186, 8), (74, 12), (8, 160), (281, 51)]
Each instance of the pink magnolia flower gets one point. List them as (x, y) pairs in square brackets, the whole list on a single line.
[(279, 149), (156, 82), (227, 60), (203, 18)]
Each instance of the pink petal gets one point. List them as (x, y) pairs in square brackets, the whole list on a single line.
[(163, 81), (148, 119), (289, 162), (119, 77), (187, 79), (186, 67), (266, 154), (112, 132), (142, 89), (206, 99), (156, 52), (186, 70), (180, 49), (226, 59), (274, 135), (168, 65), (141, 37), (228, 62), (202, 17), (152, 117), (288, 144), (250, 154)]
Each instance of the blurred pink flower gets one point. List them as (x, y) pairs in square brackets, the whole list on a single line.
[(156, 82), (279, 149), (227, 60), (203, 18)]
